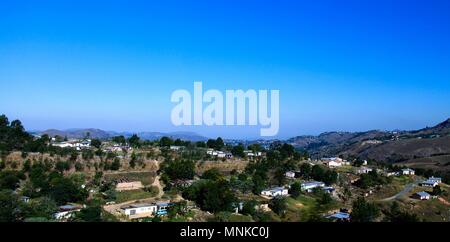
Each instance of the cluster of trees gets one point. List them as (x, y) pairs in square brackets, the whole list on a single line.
[(134, 141), (318, 173), (364, 211), (178, 169), (166, 142), (216, 144), (44, 183), (371, 179), (12, 135), (211, 195)]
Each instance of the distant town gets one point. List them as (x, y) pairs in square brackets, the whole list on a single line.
[(333, 177)]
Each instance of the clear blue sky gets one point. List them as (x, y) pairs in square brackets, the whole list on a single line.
[(339, 65)]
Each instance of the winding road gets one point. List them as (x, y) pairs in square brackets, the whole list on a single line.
[(406, 189)]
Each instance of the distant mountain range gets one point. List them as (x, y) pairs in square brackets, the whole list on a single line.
[(102, 134), (430, 145)]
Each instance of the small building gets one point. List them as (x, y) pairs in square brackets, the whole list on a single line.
[(309, 186), (66, 211), (436, 179), (364, 170), (422, 195), (328, 189), (175, 147), (181, 183), (408, 171), (290, 174), (276, 191), (429, 183), (392, 173), (221, 154), (209, 151), (140, 210), (339, 216), (334, 162), (162, 207), (25, 199)]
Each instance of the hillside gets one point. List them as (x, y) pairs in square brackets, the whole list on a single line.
[(418, 146), (101, 134)]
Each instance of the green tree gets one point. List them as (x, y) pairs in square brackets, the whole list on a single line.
[(119, 140), (278, 205), (10, 179), (211, 196), (238, 150), (96, 143), (363, 211), (212, 174), (295, 189), (395, 214), (248, 208), (134, 141), (115, 165), (8, 206), (165, 141), (179, 169)]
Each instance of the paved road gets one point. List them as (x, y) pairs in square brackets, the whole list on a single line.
[(405, 190)]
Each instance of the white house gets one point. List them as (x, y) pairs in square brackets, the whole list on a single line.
[(221, 154), (140, 209), (408, 171), (429, 183), (66, 211), (290, 174), (364, 170), (276, 191), (176, 147), (309, 186), (209, 151), (392, 173), (333, 162), (422, 195), (436, 179)]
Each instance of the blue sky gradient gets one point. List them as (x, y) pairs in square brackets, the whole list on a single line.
[(339, 65)]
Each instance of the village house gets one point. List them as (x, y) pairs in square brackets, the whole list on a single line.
[(334, 162), (436, 179), (181, 183), (276, 191), (328, 189), (392, 173), (117, 148), (221, 154), (309, 186), (140, 210), (25, 199), (162, 207), (429, 183), (176, 147), (422, 195), (339, 216), (408, 171), (290, 174), (66, 211), (210, 151), (364, 170)]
